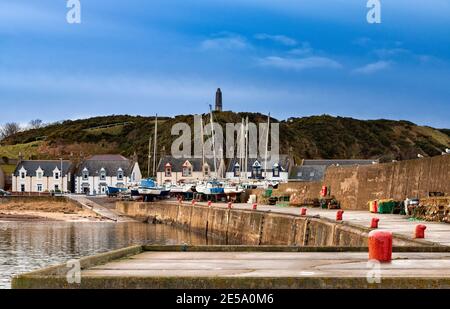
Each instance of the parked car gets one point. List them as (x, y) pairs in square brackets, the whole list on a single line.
[(4, 193)]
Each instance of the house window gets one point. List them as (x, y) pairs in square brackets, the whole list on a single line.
[(22, 188), (168, 171), (237, 170), (56, 188), (311, 174), (56, 175), (206, 170), (85, 174), (102, 174), (39, 175), (120, 174), (22, 175), (276, 171), (187, 171), (256, 170), (39, 188), (299, 174), (133, 177)]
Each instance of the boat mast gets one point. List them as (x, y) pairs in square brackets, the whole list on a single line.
[(242, 151), (154, 145), (203, 146), (213, 140), (246, 148), (149, 155), (267, 146)]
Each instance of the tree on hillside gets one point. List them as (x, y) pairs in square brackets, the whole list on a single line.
[(9, 129), (36, 124)]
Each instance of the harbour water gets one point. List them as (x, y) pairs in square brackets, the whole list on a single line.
[(26, 246)]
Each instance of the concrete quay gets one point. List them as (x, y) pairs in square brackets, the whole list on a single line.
[(436, 232), (234, 267), (273, 225)]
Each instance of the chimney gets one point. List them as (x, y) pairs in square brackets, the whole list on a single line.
[(218, 100)]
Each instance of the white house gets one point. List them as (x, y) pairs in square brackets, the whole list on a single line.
[(96, 173), (277, 169), (42, 176)]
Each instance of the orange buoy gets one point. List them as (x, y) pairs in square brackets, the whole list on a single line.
[(255, 206), (303, 212)]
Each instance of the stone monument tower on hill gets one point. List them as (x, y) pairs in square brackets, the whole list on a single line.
[(218, 100)]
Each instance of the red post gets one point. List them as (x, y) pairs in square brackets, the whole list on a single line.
[(380, 246), (255, 206), (374, 224), (339, 215), (230, 205), (303, 211), (193, 202), (420, 231), (209, 203)]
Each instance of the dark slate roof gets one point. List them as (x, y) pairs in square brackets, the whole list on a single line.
[(308, 172), (47, 166), (338, 162), (111, 164), (177, 164), (284, 161)]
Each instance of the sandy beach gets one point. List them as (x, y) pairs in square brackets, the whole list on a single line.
[(46, 211)]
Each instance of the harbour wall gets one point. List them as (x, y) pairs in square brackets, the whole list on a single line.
[(251, 227), (354, 186)]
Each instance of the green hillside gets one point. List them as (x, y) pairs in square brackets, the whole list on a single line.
[(308, 137)]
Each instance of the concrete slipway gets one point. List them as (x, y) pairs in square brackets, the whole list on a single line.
[(227, 267)]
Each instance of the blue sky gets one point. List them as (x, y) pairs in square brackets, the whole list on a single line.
[(287, 57)]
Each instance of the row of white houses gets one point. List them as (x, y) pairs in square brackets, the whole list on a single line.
[(92, 176)]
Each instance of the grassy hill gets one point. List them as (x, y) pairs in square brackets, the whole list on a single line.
[(316, 137)]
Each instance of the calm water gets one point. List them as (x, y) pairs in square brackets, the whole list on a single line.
[(26, 246)]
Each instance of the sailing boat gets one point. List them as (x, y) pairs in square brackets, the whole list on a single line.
[(148, 187)]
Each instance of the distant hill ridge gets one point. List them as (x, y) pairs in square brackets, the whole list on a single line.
[(315, 137)]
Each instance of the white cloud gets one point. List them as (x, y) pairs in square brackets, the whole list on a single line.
[(299, 64), (282, 39), (390, 52), (226, 41), (302, 50), (373, 67)]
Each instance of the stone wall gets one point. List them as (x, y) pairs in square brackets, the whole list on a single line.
[(354, 186), (254, 227)]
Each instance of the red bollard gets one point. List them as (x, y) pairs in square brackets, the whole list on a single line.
[(374, 224), (339, 215), (420, 231), (255, 206), (209, 203), (380, 246), (230, 205), (303, 211)]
